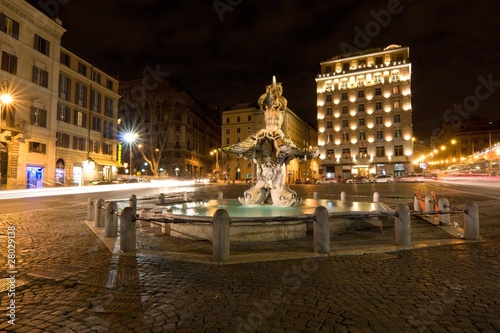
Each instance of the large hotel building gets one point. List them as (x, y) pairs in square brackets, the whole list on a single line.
[(365, 113)]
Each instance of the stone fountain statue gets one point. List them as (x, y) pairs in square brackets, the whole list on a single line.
[(271, 151)]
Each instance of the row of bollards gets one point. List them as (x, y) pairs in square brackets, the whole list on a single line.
[(106, 215)]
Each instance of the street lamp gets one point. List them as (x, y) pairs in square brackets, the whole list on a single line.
[(130, 138), (5, 99), (216, 152)]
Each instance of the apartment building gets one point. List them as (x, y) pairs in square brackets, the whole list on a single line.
[(365, 113), (246, 119), (168, 119), (58, 122)]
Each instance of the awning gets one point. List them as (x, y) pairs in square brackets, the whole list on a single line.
[(107, 162)]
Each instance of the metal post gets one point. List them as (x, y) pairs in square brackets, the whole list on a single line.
[(342, 196), (90, 209), (429, 204), (220, 238), (315, 195), (185, 196), (402, 226), (127, 230), (99, 214), (111, 220), (321, 230), (416, 204), (444, 206), (132, 202), (376, 197), (220, 195), (471, 221), (162, 198)]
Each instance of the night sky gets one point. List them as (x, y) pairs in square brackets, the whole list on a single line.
[(229, 54)]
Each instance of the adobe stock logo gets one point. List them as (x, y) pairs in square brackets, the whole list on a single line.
[(471, 103), (52, 7), (225, 6), (372, 29)]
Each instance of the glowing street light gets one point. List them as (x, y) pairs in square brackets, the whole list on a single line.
[(5, 99), (130, 138)]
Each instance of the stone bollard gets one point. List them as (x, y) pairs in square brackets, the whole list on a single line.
[(321, 230), (416, 205), (471, 221), (402, 225), (444, 206), (111, 220), (185, 196), (429, 204), (90, 209), (220, 195), (132, 202), (376, 197), (220, 237), (161, 199), (127, 230), (315, 195), (99, 213), (342, 196)]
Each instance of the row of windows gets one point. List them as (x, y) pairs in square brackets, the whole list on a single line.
[(63, 141), (238, 119), (344, 96), (238, 130), (396, 104), (379, 120), (11, 28), (80, 120), (379, 136), (81, 96), (363, 152)]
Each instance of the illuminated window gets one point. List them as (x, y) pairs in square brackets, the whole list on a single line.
[(346, 153), (396, 104), (345, 137), (9, 62), (38, 117), (398, 150), (362, 136), (395, 90), (380, 151)]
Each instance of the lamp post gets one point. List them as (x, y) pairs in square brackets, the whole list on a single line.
[(216, 153), (130, 139), (5, 99)]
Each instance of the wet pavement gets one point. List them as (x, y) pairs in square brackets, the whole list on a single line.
[(68, 280)]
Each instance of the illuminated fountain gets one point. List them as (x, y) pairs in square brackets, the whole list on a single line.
[(271, 151), (269, 210)]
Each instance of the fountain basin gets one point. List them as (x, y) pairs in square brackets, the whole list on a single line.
[(192, 220)]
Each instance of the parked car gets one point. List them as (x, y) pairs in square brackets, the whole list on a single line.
[(413, 177), (299, 181), (327, 181), (382, 179), (357, 180)]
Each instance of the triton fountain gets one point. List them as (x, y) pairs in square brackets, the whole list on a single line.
[(271, 151), (269, 210)]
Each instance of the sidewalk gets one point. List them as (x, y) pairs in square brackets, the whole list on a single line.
[(68, 280)]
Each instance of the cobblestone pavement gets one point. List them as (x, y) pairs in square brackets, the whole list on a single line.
[(68, 281)]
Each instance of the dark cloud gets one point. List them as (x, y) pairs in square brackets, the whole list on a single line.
[(452, 43)]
